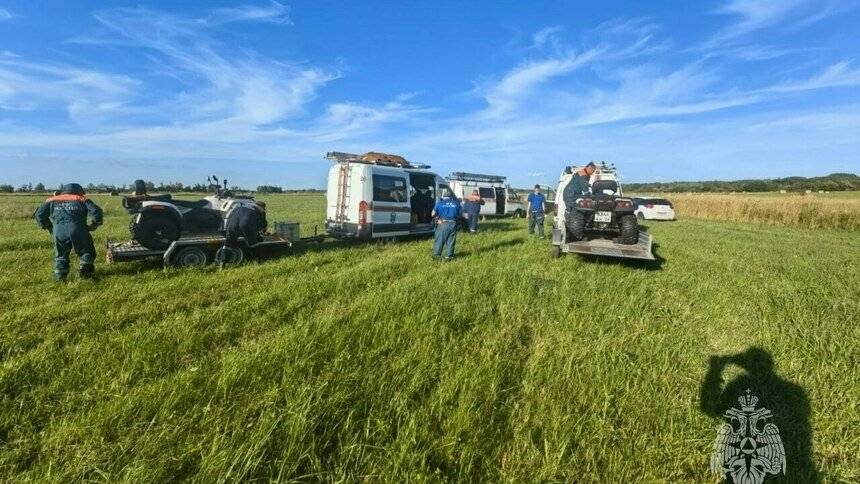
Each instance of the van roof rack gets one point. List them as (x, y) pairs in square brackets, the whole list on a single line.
[(374, 158), (461, 176)]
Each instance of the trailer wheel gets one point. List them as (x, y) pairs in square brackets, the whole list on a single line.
[(555, 251), (629, 229), (235, 256), (154, 230), (576, 225), (191, 256)]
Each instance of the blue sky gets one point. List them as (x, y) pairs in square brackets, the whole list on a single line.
[(110, 91)]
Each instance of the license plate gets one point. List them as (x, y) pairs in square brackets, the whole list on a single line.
[(603, 217)]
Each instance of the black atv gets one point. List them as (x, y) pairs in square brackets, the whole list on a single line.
[(159, 220), (604, 214)]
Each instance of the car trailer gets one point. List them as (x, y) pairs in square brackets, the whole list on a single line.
[(199, 250), (603, 247)]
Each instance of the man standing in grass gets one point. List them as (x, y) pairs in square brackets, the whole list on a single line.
[(472, 208), (65, 216), (447, 212), (535, 211)]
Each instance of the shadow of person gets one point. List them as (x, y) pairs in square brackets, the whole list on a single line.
[(787, 401)]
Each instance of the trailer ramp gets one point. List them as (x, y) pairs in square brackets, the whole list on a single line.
[(608, 248)]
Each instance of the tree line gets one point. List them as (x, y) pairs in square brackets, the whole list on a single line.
[(836, 182)]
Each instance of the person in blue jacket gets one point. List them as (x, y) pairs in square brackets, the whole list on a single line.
[(535, 211), (472, 209), (65, 217), (446, 213)]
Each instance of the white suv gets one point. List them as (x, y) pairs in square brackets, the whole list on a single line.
[(654, 209)]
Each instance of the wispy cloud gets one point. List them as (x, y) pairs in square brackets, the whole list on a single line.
[(755, 14), (273, 12), (5, 14)]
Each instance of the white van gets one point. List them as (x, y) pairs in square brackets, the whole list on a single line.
[(499, 199), (376, 195)]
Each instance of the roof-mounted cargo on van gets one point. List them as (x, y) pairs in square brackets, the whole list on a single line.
[(374, 158), (461, 176)]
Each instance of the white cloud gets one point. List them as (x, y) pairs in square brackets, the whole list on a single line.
[(273, 12), (546, 35), (5, 14), (755, 14)]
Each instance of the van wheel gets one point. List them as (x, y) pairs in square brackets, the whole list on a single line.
[(640, 216), (518, 213)]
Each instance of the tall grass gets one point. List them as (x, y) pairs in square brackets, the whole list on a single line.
[(370, 363), (794, 210)]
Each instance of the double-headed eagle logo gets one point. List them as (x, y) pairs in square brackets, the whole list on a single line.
[(748, 448)]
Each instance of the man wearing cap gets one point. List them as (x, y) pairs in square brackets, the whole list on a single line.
[(472, 210), (446, 213), (65, 217), (535, 210), (578, 185)]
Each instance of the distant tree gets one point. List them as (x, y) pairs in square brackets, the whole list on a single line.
[(6, 188), (40, 187), (269, 189)]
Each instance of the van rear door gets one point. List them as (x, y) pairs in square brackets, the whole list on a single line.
[(391, 209), (488, 195)]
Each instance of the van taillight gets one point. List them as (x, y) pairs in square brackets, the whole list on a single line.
[(362, 213)]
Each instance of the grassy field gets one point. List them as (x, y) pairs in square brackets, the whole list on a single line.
[(344, 362)]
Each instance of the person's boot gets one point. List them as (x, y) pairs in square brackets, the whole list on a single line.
[(60, 277), (87, 271)]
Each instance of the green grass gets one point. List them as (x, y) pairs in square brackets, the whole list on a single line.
[(370, 362)]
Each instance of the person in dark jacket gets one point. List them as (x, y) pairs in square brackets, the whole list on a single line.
[(246, 222), (472, 210), (578, 185), (65, 217)]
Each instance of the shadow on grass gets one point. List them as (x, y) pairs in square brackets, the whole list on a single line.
[(787, 400)]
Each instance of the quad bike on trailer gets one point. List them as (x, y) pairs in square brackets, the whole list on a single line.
[(605, 214), (601, 223), (160, 220)]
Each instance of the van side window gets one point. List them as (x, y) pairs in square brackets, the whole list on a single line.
[(389, 189), (487, 193)]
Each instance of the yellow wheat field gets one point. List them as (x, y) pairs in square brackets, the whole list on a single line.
[(795, 210)]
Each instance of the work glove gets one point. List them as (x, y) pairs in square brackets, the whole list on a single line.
[(91, 227)]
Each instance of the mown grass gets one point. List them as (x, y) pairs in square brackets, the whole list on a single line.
[(834, 211), (371, 363)]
